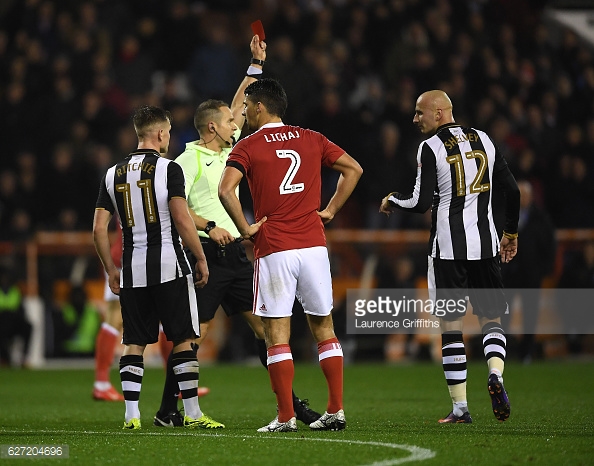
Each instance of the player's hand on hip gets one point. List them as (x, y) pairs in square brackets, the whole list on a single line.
[(386, 207), (253, 229), (201, 273), (221, 236), (508, 249), (326, 216)]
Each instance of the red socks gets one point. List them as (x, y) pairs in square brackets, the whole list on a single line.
[(107, 340), (331, 362), (281, 371)]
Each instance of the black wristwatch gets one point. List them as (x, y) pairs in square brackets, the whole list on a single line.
[(209, 226)]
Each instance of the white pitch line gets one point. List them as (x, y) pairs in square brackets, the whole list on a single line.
[(416, 453)]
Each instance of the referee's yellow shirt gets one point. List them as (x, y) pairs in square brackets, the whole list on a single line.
[(203, 169)]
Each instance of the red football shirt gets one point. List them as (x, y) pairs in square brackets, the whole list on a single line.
[(283, 165)]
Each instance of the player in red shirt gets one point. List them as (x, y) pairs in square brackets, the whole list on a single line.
[(282, 165), (110, 333)]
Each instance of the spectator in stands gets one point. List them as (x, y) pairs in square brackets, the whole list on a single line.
[(8, 200), (284, 66), (345, 43), (134, 67), (13, 322), (213, 67), (69, 184), (578, 272), (533, 262), (76, 324), (385, 166)]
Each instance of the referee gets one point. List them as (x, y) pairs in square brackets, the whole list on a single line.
[(230, 283), (456, 170)]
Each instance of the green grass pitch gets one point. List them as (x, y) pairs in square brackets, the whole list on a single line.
[(391, 412)]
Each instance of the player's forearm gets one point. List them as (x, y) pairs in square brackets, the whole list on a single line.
[(187, 232), (258, 50), (347, 182), (422, 196), (237, 102), (185, 226), (101, 239), (199, 222), (102, 247), (233, 207)]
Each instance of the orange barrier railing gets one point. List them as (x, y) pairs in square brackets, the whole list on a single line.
[(349, 246)]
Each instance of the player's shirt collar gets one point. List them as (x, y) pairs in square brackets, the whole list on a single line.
[(194, 145), (446, 125), (224, 153), (277, 124), (143, 152)]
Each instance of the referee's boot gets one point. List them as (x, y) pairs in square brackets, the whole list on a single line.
[(303, 412)]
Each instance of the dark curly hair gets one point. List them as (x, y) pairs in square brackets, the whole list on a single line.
[(270, 93)]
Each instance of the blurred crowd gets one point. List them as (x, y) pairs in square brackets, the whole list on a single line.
[(71, 72)]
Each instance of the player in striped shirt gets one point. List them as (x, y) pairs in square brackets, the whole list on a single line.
[(155, 283), (456, 170)]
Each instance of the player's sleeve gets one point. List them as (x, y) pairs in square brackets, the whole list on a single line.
[(505, 180), (175, 181), (239, 159), (189, 162), (103, 199), (420, 199), (331, 152)]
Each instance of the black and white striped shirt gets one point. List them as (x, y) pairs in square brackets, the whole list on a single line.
[(139, 189), (456, 169)]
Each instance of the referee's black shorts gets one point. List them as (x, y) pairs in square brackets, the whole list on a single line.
[(480, 280), (230, 281), (170, 303)]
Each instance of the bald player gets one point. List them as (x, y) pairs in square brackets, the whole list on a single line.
[(457, 168)]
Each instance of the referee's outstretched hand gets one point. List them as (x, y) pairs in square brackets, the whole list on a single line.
[(508, 249)]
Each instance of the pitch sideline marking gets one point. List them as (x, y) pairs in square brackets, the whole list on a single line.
[(417, 453)]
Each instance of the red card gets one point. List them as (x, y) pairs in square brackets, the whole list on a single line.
[(258, 29)]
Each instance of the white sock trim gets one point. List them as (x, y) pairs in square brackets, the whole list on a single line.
[(110, 329), (278, 358)]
